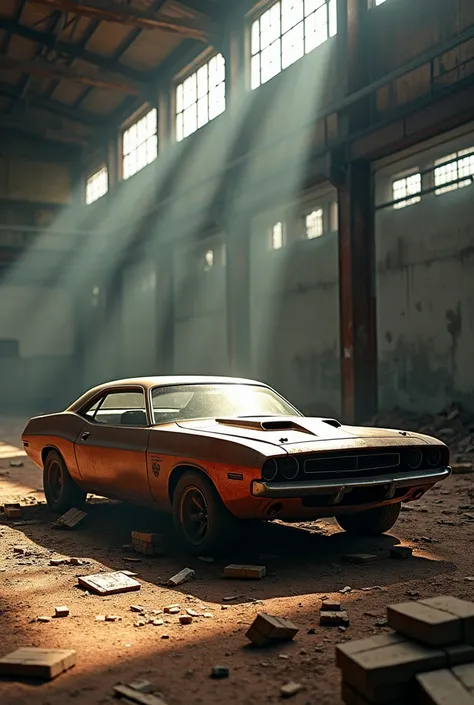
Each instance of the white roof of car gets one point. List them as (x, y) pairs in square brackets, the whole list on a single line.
[(149, 382)]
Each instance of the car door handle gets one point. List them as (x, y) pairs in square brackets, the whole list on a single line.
[(85, 435)]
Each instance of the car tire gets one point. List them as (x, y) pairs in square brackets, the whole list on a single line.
[(60, 490), (204, 525), (372, 522)]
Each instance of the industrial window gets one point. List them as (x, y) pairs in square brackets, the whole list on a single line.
[(288, 30), (314, 224), (457, 167), (140, 144), (97, 185), (406, 191), (200, 98), (208, 260), (276, 239)]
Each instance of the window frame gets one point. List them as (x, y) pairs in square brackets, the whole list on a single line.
[(399, 204), (256, 14), (129, 123), (103, 394), (453, 160), (192, 68), (90, 175)]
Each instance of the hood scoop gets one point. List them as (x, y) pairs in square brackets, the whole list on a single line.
[(282, 424)]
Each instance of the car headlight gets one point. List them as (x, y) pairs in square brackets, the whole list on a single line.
[(269, 470), (433, 456), (288, 467), (414, 458)]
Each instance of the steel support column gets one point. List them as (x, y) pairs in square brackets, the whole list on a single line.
[(357, 294)]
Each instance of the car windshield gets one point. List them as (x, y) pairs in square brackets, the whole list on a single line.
[(208, 401)]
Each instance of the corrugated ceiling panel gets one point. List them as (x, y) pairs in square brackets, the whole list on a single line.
[(150, 48), (108, 37), (68, 91), (101, 101)]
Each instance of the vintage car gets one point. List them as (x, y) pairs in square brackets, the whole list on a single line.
[(215, 451)]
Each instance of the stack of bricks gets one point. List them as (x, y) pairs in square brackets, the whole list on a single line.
[(148, 544), (427, 660)]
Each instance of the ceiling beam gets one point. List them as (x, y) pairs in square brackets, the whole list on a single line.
[(201, 8), (53, 106), (48, 39), (112, 11), (40, 67), (46, 136)]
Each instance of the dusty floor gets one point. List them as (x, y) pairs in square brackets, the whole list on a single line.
[(304, 564)]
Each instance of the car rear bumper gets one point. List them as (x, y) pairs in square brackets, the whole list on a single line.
[(391, 482)]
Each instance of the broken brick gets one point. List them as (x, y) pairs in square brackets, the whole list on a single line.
[(219, 672), (70, 519), (463, 609), (401, 552), (12, 511), (172, 609), (130, 694), (245, 572), (290, 689), (334, 619), (266, 628), (37, 663), (331, 606), (182, 577), (185, 619), (61, 611)]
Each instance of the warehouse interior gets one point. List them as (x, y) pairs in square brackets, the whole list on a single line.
[(267, 190), (279, 190)]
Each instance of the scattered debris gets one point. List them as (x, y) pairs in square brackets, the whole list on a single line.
[(142, 686), (266, 629), (185, 619), (230, 598), (192, 613), (245, 572), (100, 618), (182, 577), (137, 696), (19, 549), (382, 622), (345, 590), (360, 557), (16, 463), (113, 618), (172, 609), (12, 511), (61, 611), (206, 559), (129, 573), (69, 520), (331, 606), (43, 619), (109, 583), (219, 672), (31, 662), (401, 552), (137, 608), (290, 689)]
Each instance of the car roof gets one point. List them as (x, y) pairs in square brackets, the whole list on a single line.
[(149, 382)]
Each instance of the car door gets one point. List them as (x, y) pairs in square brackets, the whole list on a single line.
[(111, 446)]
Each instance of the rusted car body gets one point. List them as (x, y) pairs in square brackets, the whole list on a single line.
[(134, 440)]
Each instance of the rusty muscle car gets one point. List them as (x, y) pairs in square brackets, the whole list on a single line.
[(217, 451)]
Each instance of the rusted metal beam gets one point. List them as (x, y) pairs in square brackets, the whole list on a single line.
[(53, 106), (357, 294), (111, 11), (48, 39), (40, 67)]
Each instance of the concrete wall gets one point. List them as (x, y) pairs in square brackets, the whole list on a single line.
[(425, 287), (200, 323), (295, 306)]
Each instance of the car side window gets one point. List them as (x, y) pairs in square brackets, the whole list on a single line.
[(89, 413), (122, 409)]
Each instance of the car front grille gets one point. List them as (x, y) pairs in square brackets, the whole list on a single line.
[(351, 462)]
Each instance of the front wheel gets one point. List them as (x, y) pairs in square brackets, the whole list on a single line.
[(372, 522), (204, 525), (60, 490)]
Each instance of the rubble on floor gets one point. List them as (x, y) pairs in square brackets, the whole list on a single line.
[(454, 426)]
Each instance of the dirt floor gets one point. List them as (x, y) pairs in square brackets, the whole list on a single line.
[(304, 564)]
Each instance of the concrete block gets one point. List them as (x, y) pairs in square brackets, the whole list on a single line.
[(245, 572), (266, 629), (331, 606), (465, 674), (182, 577), (61, 611), (109, 583), (37, 663), (290, 689), (376, 672), (425, 624), (464, 609), (344, 652), (185, 619), (401, 552), (459, 654), (349, 696), (12, 511), (442, 688)]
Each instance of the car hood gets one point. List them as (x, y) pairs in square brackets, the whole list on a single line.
[(288, 431)]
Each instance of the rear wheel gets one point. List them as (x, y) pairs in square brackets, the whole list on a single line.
[(204, 525), (60, 490), (372, 522)]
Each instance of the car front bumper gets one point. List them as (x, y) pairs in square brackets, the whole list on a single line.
[(338, 489)]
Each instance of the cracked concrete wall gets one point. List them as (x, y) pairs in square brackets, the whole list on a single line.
[(294, 301), (425, 287)]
